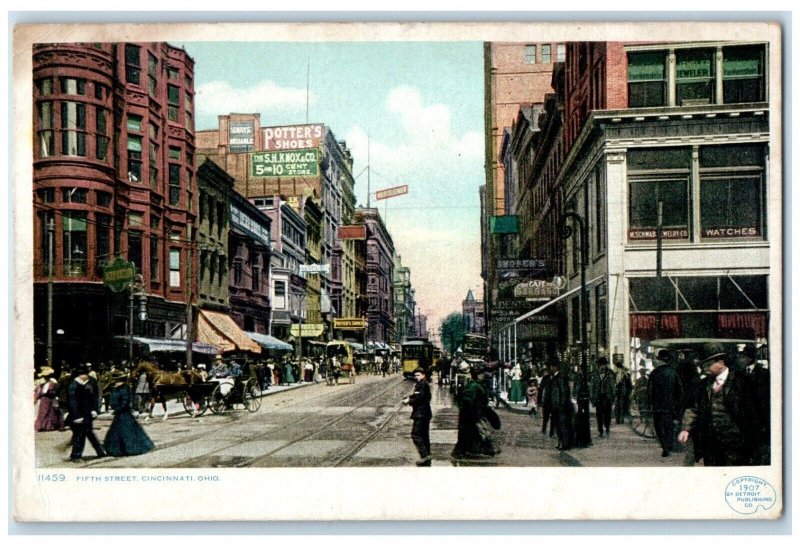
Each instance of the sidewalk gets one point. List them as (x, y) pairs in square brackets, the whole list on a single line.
[(174, 407)]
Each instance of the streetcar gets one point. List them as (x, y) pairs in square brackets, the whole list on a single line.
[(475, 346), (416, 353)]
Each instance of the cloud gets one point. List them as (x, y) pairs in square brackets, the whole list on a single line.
[(266, 96), (424, 144)]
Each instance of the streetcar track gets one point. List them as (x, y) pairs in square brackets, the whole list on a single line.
[(253, 461)]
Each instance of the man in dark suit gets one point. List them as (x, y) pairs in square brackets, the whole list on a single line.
[(720, 421), (84, 405), (665, 395), (758, 378), (543, 401), (602, 391), (562, 410), (420, 401)]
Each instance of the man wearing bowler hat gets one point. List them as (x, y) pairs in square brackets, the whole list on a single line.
[(720, 419)]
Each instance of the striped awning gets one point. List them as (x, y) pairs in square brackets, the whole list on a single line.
[(168, 345), (219, 329), (269, 342)]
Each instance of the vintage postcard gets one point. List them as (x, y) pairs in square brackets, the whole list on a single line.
[(311, 271)]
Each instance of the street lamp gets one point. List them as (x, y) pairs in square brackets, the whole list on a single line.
[(582, 435)]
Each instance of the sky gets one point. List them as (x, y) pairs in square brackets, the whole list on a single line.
[(413, 111)]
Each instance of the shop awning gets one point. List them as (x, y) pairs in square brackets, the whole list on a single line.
[(167, 345), (219, 329), (269, 342), (541, 308)]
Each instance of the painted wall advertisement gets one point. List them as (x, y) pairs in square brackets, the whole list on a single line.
[(241, 136), (277, 164), (293, 137)]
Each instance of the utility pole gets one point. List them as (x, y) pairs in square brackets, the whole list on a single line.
[(188, 290), (50, 228), (368, 190)]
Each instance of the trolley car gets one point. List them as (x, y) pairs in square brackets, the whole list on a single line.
[(416, 353)]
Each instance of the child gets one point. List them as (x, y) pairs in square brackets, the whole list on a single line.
[(530, 396)]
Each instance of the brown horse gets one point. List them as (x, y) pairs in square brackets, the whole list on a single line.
[(163, 383)]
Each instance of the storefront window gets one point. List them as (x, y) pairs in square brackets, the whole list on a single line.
[(644, 198), (732, 191), (694, 76), (743, 74), (647, 79), (730, 206)]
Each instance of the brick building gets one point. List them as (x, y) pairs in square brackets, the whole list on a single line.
[(690, 131), (113, 176), (380, 265), (515, 74)]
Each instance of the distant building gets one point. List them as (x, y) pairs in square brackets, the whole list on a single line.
[(472, 311), (404, 304), (380, 301), (287, 286), (515, 74)]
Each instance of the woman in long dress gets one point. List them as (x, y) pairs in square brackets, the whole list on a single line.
[(516, 393), (48, 414), (125, 436)]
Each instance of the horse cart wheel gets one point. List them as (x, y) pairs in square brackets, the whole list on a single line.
[(195, 408), (217, 402), (251, 396)]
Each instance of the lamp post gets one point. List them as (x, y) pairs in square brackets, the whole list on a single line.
[(582, 435)]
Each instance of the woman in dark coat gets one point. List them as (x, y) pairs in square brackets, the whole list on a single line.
[(125, 436)]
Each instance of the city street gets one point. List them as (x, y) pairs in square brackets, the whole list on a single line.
[(359, 425)]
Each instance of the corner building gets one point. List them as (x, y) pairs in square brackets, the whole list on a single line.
[(685, 125), (113, 175)]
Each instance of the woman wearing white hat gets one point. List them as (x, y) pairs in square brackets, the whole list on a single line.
[(48, 415)]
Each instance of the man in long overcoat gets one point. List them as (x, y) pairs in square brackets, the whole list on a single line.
[(84, 405), (665, 395), (720, 421), (543, 401), (562, 410)]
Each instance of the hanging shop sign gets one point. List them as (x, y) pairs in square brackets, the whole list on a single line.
[(349, 323), (277, 164), (307, 330), (532, 264), (392, 192), (358, 232), (504, 224), (316, 269), (118, 274), (293, 137), (536, 289)]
